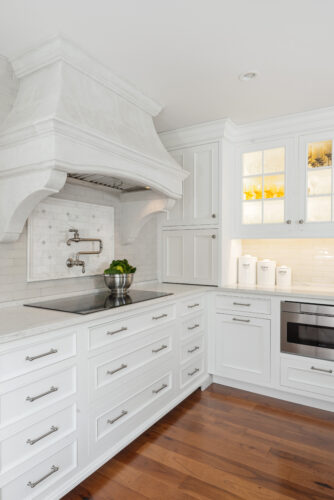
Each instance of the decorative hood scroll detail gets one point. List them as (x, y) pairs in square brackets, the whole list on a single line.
[(71, 115)]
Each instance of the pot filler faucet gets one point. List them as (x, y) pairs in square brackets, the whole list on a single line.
[(77, 261)]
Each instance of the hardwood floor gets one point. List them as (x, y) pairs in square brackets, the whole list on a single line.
[(223, 444)]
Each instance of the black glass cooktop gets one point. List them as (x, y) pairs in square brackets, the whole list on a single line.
[(94, 302)]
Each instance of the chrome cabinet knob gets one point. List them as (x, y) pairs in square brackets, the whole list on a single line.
[(301, 221), (288, 221), (213, 216), (213, 236)]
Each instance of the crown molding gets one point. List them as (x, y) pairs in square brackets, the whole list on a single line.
[(60, 49), (208, 131), (284, 126)]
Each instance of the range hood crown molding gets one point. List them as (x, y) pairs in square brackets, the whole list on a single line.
[(73, 116)]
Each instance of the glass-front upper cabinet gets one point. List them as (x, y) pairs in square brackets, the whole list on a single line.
[(319, 181), (263, 186)]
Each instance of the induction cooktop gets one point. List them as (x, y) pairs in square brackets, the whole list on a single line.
[(94, 302)]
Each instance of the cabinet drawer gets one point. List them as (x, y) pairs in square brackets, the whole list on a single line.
[(243, 304), (36, 356), (192, 348), (106, 333), (111, 420), (191, 305), (33, 482), (307, 374), (19, 403), (193, 325), (111, 366), (192, 371), (23, 445)]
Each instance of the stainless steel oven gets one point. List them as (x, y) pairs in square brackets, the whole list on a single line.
[(307, 329)]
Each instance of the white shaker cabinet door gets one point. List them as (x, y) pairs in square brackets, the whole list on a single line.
[(200, 202), (203, 255), (190, 256), (175, 266), (242, 348)]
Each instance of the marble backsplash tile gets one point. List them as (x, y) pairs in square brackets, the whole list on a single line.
[(311, 260), (142, 253)]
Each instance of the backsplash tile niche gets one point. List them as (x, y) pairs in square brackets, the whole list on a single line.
[(311, 260), (13, 256)]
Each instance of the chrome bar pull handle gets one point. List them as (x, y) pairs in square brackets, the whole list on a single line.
[(155, 391), (241, 304), (123, 413), (194, 349), (321, 369), (164, 346), (193, 372), (193, 305), (32, 358), (54, 469), (242, 320), (122, 367), (196, 325), (33, 398), (160, 317), (123, 329), (51, 431)]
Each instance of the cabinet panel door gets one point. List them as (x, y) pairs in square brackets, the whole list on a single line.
[(174, 253), (242, 348), (200, 202), (175, 215), (203, 255), (205, 184)]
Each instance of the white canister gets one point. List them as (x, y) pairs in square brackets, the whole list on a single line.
[(266, 270), (247, 270), (283, 276)]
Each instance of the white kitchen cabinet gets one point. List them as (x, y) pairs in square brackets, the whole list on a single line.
[(190, 256), (200, 202), (242, 348), (285, 188), (108, 381)]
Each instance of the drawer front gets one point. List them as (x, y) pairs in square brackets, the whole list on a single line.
[(243, 304), (36, 356), (37, 437), (19, 403), (106, 333), (192, 348), (112, 419), (106, 372), (307, 374), (193, 326), (42, 476), (192, 371), (191, 305)]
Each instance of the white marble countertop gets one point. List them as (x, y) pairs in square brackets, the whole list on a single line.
[(300, 291), (19, 321)]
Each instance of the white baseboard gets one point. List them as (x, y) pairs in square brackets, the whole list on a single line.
[(275, 393)]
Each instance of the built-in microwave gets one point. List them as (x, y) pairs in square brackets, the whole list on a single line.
[(307, 329)]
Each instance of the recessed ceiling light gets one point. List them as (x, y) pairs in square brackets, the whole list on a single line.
[(249, 75)]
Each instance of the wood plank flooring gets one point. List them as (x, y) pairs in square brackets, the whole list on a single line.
[(223, 444)]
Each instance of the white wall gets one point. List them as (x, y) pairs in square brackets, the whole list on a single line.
[(13, 260)]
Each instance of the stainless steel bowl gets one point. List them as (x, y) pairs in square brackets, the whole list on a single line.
[(119, 284)]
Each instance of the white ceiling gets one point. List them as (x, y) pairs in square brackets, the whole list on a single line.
[(187, 54)]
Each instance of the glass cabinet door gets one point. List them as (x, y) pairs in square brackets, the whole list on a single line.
[(263, 186), (319, 196)]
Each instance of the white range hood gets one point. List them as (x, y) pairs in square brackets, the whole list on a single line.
[(73, 116)]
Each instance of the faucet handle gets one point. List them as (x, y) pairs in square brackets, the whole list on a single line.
[(75, 231)]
